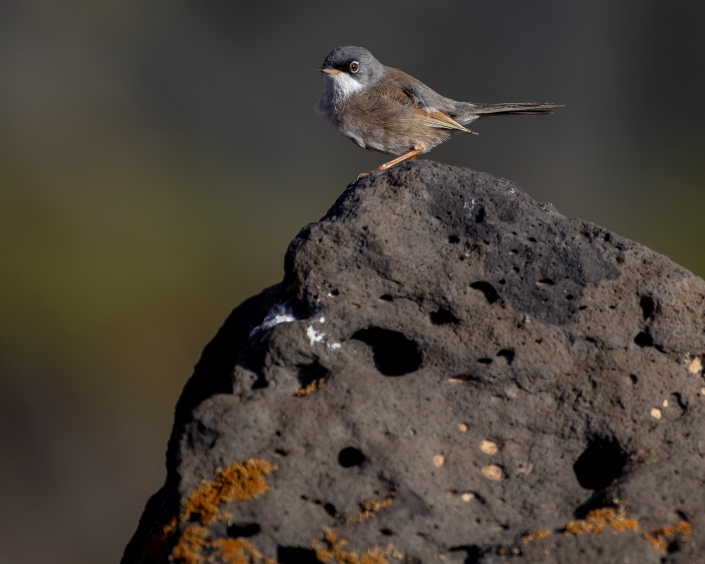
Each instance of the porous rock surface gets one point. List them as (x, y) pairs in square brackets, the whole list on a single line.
[(476, 368)]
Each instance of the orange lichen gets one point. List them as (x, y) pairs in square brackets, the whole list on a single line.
[(192, 544), (598, 520), (538, 535), (241, 481), (312, 387), (238, 551), (336, 552), (370, 509), (658, 539), (238, 482)]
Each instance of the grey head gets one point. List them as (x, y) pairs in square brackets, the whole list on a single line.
[(354, 62)]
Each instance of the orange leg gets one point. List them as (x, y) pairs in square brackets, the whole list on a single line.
[(411, 155)]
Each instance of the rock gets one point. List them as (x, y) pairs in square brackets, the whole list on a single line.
[(448, 371)]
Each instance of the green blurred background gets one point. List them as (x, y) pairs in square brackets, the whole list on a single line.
[(157, 157)]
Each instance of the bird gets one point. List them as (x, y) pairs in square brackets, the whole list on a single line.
[(386, 110)]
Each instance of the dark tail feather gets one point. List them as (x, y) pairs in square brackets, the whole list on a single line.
[(469, 111)]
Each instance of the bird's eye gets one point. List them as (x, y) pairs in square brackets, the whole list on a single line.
[(354, 67)]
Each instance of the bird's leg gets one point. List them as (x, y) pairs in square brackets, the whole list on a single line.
[(410, 155)]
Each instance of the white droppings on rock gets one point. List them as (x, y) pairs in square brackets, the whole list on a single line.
[(280, 313), (314, 336), (438, 460), (656, 413), (333, 346), (488, 447)]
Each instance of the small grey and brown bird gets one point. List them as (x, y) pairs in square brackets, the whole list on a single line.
[(384, 109)]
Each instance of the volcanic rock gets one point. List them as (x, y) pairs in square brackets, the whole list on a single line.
[(449, 371)]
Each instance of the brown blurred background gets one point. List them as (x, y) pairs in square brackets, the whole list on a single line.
[(157, 157)]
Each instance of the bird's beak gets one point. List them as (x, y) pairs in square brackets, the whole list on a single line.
[(329, 70)]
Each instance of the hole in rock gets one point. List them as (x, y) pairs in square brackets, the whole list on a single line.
[(260, 383), (677, 399), (386, 298), (350, 456), (570, 297), (673, 546), (644, 340), (310, 372), (473, 551), (463, 378), (480, 216), (507, 354), (453, 239), (484, 360), (386, 532), (296, 555), (393, 353), (442, 317), (487, 289), (633, 378), (545, 282), (330, 509), (243, 531), (646, 303), (600, 464), (532, 239), (281, 452)]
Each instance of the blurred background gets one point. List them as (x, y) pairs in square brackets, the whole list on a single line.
[(157, 157)]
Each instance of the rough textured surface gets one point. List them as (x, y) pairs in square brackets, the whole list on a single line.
[(450, 371)]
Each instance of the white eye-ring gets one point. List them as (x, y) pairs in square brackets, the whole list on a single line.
[(354, 67)]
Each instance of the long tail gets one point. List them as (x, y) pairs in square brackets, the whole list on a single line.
[(470, 112)]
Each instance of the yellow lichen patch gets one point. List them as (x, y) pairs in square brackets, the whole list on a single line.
[(370, 509), (192, 545), (538, 535), (238, 482), (238, 551), (598, 520), (695, 366), (488, 447), (658, 539), (493, 472), (312, 387), (336, 552)]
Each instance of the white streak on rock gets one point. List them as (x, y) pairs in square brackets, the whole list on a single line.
[(280, 313)]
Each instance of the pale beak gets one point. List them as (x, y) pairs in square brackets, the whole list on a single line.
[(329, 70)]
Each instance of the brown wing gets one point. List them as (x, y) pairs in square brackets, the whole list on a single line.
[(403, 89)]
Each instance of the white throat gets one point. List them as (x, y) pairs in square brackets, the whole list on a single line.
[(336, 89)]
